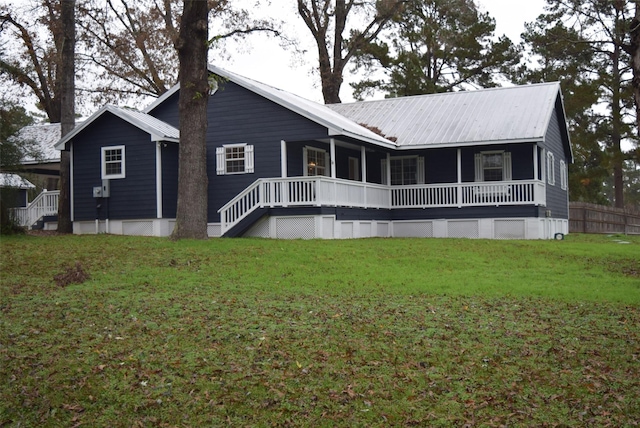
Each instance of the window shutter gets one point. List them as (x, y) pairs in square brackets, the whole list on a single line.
[(220, 160), (479, 172), (383, 171), (248, 159), (506, 166), (420, 170)]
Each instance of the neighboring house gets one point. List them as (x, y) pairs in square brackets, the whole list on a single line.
[(43, 160), (18, 198), (478, 164)]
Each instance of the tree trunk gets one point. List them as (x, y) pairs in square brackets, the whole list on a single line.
[(67, 109), (191, 216), (634, 51), (616, 130)]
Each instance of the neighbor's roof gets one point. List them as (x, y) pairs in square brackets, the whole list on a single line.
[(159, 130), (336, 123), (15, 181), (488, 116), (45, 136)]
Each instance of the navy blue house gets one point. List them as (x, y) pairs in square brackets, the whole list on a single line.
[(478, 164)]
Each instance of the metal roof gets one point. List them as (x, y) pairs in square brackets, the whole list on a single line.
[(15, 181), (44, 136), (159, 130), (487, 116)]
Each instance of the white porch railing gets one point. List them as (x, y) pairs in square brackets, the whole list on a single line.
[(324, 191), (46, 203)]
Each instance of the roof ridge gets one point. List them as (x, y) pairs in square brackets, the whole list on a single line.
[(444, 94)]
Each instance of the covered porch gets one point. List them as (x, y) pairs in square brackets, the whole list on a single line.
[(337, 173)]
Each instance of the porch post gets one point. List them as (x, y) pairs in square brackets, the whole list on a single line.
[(535, 162), (283, 158), (332, 146), (459, 187), (158, 179), (363, 161)]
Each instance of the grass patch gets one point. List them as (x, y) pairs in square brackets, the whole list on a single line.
[(376, 332)]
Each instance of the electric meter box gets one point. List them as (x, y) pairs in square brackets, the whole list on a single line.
[(102, 191)]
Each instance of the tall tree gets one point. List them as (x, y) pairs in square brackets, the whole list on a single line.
[(67, 107), (594, 36), (13, 117), (556, 55), (192, 47), (436, 46), (128, 45), (45, 70), (28, 59), (327, 21)]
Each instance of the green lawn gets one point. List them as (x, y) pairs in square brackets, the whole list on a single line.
[(374, 332)]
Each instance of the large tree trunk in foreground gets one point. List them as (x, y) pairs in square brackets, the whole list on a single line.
[(191, 216), (67, 101)]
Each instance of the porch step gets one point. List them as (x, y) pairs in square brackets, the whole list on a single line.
[(245, 224), (39, 225)]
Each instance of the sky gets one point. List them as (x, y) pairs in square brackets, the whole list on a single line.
[(269, 63)]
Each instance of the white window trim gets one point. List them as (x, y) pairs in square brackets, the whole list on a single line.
[(506, 164), (103, 163), (551, 167), (221, 159), (305, 161), (564, 175), (420, 168)]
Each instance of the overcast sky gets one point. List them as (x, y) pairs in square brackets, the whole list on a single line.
[(267, 62)]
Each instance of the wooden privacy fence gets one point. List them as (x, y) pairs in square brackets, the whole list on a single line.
[(591, 218)]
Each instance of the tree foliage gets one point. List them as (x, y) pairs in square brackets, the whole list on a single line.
[(128, 46), (14, 117), (336, 43), (31, 52), (436, 46), (584, 44)]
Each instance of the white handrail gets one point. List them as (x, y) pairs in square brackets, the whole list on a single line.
[(325, 191), (46, 203)]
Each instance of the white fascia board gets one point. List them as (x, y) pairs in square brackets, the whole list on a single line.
[(378, 142), (61, 143), (470, 144), (162, 98), (161, 138)]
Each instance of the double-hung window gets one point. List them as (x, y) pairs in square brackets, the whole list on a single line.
[(404, 170), (316, 162), (493, 166), (234, 159), (113, 162)]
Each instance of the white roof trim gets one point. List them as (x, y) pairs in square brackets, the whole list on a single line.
[(335, 123), (126, 116)]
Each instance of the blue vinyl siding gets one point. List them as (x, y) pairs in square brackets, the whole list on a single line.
[(557, 199), (131, 197), (237, 115), (441, 166), (169, 179)]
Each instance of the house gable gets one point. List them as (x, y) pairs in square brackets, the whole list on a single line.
[(133, 196)]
